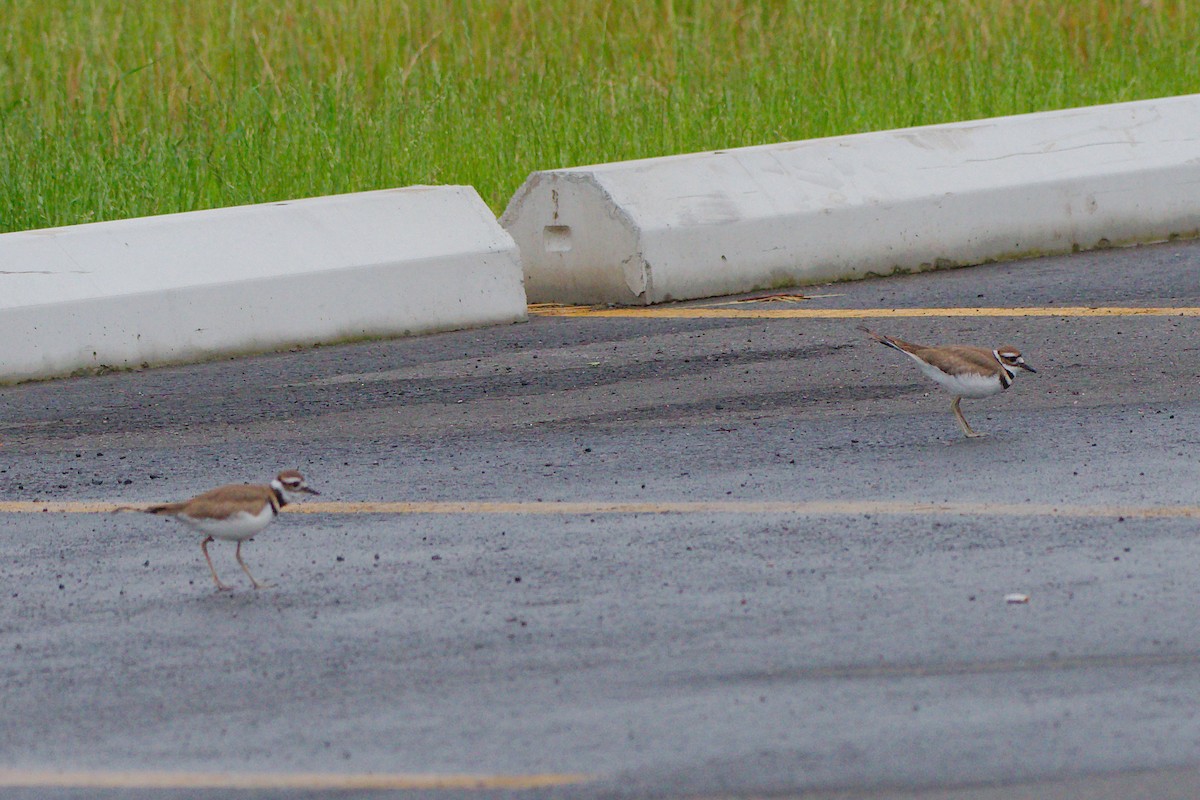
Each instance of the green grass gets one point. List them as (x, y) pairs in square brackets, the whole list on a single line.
[(117, 109)]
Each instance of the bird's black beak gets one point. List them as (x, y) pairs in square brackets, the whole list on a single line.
[(1026, 367), (307, 490)]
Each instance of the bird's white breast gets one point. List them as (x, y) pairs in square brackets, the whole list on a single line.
[(964, 384), (237, 526)]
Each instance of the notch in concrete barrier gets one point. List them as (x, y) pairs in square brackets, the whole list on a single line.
[(557, 238)]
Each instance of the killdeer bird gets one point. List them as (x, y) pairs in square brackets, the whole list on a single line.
[(962, 371), (234, 513)]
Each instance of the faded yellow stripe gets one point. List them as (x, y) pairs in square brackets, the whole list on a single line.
[(585, 507), (103, 779), (64, 507), (696, 312), (805, 508)]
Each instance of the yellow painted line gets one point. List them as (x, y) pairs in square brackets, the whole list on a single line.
[(695, 312), (586, 507), (62, 507), (801, 508), (137, 779)]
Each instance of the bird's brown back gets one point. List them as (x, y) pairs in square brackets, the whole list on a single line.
[(957, 359), (220, 502)]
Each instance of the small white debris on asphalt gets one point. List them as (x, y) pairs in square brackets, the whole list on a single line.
[(1015, 598)]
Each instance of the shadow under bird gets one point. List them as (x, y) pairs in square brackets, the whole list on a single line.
[(962, 371), (234, 513)]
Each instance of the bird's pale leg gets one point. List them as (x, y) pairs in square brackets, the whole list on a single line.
[(246, 569), (968, 431), (220, 586)]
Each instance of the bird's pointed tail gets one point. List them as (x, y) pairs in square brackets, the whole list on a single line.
[(885, 340), (165, 508)]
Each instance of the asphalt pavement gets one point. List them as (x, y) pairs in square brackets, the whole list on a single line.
[(709, 554)]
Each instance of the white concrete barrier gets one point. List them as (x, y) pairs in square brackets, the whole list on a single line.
[(707, 224), (183, 287)]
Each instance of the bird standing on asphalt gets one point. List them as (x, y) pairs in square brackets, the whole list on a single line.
[(234, 513), (962, 371)]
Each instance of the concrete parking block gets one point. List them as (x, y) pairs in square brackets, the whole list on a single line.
[(191, 286)]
